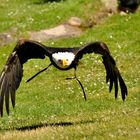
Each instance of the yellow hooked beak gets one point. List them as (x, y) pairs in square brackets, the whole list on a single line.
[(64, 63)]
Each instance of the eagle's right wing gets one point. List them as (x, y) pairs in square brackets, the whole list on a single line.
[(12, 72)]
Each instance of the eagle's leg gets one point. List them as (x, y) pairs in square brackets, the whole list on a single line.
[(75, 77), (38, 73), (69, 78)]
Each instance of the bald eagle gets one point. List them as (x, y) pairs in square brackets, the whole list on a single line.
[(61, 58)]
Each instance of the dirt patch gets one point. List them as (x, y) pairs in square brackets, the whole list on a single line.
[(6, 38), (110, 5)]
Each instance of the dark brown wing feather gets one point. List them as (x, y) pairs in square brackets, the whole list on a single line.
[(11, 75), (112, 73)]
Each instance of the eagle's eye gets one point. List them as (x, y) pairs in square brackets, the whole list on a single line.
[(59, 60)]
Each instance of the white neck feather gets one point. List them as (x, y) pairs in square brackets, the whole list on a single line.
[(60, 56)]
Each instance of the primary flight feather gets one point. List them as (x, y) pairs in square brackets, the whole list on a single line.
[(61, 58)]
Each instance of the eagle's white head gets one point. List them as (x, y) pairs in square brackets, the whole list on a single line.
[(63, 59)]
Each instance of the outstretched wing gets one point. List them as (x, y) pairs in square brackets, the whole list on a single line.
[(11, 75), (112, 73)]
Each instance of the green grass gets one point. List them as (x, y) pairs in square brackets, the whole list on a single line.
[(49, 107), (25, 15)]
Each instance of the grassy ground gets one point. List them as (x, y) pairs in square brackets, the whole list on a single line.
[(49, 107)]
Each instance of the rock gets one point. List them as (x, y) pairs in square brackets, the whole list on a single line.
[(75, 21), (61, 31)]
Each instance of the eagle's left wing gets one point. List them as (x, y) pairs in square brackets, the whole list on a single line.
[(112, 73)]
